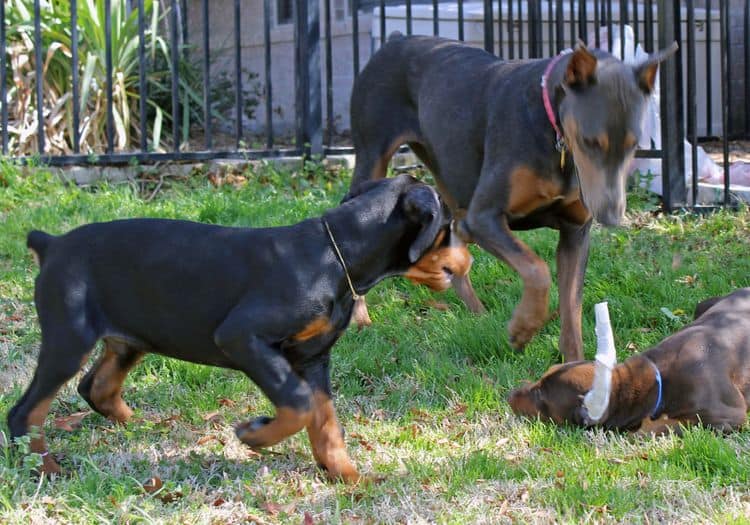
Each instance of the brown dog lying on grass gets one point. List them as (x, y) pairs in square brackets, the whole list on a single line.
[(699, 375)]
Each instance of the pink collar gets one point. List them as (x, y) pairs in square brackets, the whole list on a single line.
[(560, 143)]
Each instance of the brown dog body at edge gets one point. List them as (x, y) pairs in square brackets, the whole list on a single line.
[(479, 125), (704, 369)]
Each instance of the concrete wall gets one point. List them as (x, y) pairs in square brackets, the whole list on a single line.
[(222, 53)]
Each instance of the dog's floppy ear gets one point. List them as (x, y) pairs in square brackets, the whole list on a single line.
[(645, 72), (422, 206), (581, 70)]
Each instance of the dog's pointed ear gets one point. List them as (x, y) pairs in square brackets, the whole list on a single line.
[(422, 206), (645, 72), (581, 70)]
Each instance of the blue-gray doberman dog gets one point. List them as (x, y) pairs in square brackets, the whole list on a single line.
[(509, 153)]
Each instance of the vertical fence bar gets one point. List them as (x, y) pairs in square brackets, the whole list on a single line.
[(520, 29), (309, 110), (691, 100), (573, 39), (709, 83), (3, 89), (175, 76), (355, 36), (408, 17), (267, 64), (39, 75), (550, 29), (609, 26), (489, 39), (636, 32), (672, 123), (238, 72), (511, 36), (725, 93), (597, 23), (648, 20), (623, 20), (583, 22), (184, 27), (207, 137), (500, 51), (435, 18), (142, 94), (110, 82), (382, 20), (76, 102), (747, 68), (460, 20), (559, 27), (329, 65), (534, 10)]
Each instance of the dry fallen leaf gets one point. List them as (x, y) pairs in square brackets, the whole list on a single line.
[(153, 485), (206, 439), (71, 422), (308, 520), (212, 416), (218, 502), (226, 402)]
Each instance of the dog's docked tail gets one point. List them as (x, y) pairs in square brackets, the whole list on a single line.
[(37, 242)]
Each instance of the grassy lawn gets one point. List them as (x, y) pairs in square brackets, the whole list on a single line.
[(421, 393)]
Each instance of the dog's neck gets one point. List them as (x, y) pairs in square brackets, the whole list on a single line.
[(635, 393), (366, 247)]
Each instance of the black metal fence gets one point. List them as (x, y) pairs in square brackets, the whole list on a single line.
[(181, 85)]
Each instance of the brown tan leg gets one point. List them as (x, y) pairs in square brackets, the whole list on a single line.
[(464, 289), (327, 442), (531, 313), (265, 432), (572, 256), (102, 385), (54, 368), (38, 444), (661, 426)]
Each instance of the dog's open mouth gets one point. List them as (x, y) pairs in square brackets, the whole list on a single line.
[(437, 268)]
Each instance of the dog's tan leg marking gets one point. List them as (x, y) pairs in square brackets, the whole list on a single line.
[(327, 443), (660, 426), (316, 327), (464, 289), (287, 422), (35, 422), (380, 169), (106, 388)]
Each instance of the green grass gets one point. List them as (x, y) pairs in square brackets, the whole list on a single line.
[(421, 393)]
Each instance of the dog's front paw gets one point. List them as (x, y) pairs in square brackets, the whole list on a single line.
[(248, 432), (521, 330)]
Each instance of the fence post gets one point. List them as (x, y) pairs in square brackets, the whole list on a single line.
[(309, 118), (534, 10), (672, 119)]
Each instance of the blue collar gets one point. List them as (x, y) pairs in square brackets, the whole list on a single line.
[(657, 378)]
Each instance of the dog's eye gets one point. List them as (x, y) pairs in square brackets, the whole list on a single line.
[(592, 144)]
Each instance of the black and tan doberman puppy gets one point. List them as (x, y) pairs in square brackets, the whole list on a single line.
[(268, 302), (509, 154), (700, 374)]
